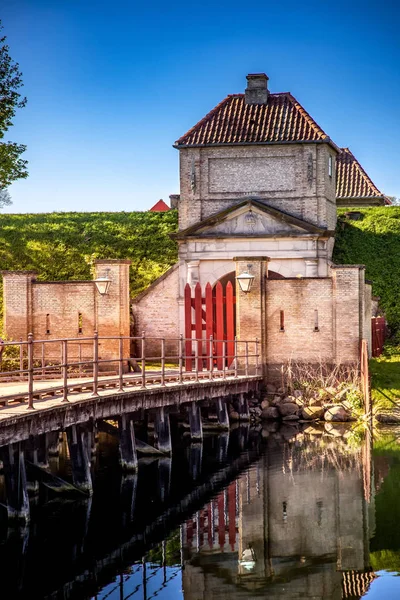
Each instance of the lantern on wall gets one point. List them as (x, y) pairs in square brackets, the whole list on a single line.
[(103, 284), (245, 281)]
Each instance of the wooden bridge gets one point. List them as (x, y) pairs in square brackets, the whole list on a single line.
[(38, 395)]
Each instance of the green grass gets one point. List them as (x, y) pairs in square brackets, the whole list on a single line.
[(385, 380)]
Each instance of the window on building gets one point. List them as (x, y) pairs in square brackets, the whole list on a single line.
[(80, 323), (330, 166), (47, 323)]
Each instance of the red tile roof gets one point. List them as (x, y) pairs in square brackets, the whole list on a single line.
[(351, 179), (159, 206), (232, 121)]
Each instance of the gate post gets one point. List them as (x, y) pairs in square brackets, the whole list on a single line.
[(250, 312)]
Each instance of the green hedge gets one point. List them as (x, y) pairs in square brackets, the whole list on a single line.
[(375, 242), (63, 246)]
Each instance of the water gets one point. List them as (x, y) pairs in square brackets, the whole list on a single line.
[(272, 514)]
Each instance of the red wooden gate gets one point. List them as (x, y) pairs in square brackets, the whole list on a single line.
[(378, 329), (209, 315)]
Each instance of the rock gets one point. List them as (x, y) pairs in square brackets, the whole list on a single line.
[(281, 390), (257, 411), (270, 426), (288, 431), (270, 413), (264, 404), (288, 408), (387, 418), (337, 429), (337, 413), (234, 416), (289, 399), (271, 388), (310, 413), (291, 418), (276, 400), (315, 402), (314, 430)]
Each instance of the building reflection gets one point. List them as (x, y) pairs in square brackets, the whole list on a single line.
[(296, 525)]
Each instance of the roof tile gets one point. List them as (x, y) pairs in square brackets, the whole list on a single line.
[(351, 179), (233, 121)]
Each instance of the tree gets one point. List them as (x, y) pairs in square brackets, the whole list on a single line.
[(12, 166), (394, 200), (5, 198)]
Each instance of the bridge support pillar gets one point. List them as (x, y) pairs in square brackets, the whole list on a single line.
[(222, 414), (222, 447), (78, 450), (244, 413), (127, 444), (196, 426), (162, 431), (195, 460), (13, 460), (164, 477)]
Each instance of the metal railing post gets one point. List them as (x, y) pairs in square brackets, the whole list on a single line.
[(257, 357), (180, 351), (223, 359), (43, 364), (64, 368), (163, 362), (196, 361), (246, 358), (236, 357), (95, 393), (30, 371), (21, 357), (143, 358), (121, 365), (211, 357), (80, 358)]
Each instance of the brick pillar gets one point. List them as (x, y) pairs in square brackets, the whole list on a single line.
[(112, 310), (250, 308), (348, 308), (17, 294)]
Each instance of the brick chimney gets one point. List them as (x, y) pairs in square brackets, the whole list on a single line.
[(257, 89)]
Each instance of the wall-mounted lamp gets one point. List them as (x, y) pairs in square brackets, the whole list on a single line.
[(245, 281), (103, 284), (248, 560)]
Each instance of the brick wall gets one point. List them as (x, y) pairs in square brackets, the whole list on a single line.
[(290, 177), (299, 299), (69, 309), (156, 312)]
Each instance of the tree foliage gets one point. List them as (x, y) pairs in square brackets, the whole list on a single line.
[(374, 241), (61, 246), (12, 166)]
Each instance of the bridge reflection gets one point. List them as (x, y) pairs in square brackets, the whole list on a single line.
[(244, 514)]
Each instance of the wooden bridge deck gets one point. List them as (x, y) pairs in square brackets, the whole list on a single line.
[(17, 422)]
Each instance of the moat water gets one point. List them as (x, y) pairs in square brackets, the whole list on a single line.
[(277, 513)]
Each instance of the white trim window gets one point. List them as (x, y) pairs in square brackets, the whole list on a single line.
[(330, 165)]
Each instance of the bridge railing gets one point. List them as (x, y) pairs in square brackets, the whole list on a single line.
[(32, 368)]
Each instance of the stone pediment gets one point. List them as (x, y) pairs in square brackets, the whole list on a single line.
[(251, 218)]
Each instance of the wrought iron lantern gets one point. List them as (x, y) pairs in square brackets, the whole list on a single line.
[(103, 284), (245, 281)]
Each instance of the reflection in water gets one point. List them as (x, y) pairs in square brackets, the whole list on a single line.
[(244, 515), (296, 525)]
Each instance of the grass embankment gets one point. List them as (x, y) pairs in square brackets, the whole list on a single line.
[(374, 241), (385, 380), (62, 246)]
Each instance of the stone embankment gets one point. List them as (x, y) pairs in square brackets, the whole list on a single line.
[(326, 404)]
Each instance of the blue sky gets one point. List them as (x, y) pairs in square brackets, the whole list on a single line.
[(111, 85)]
